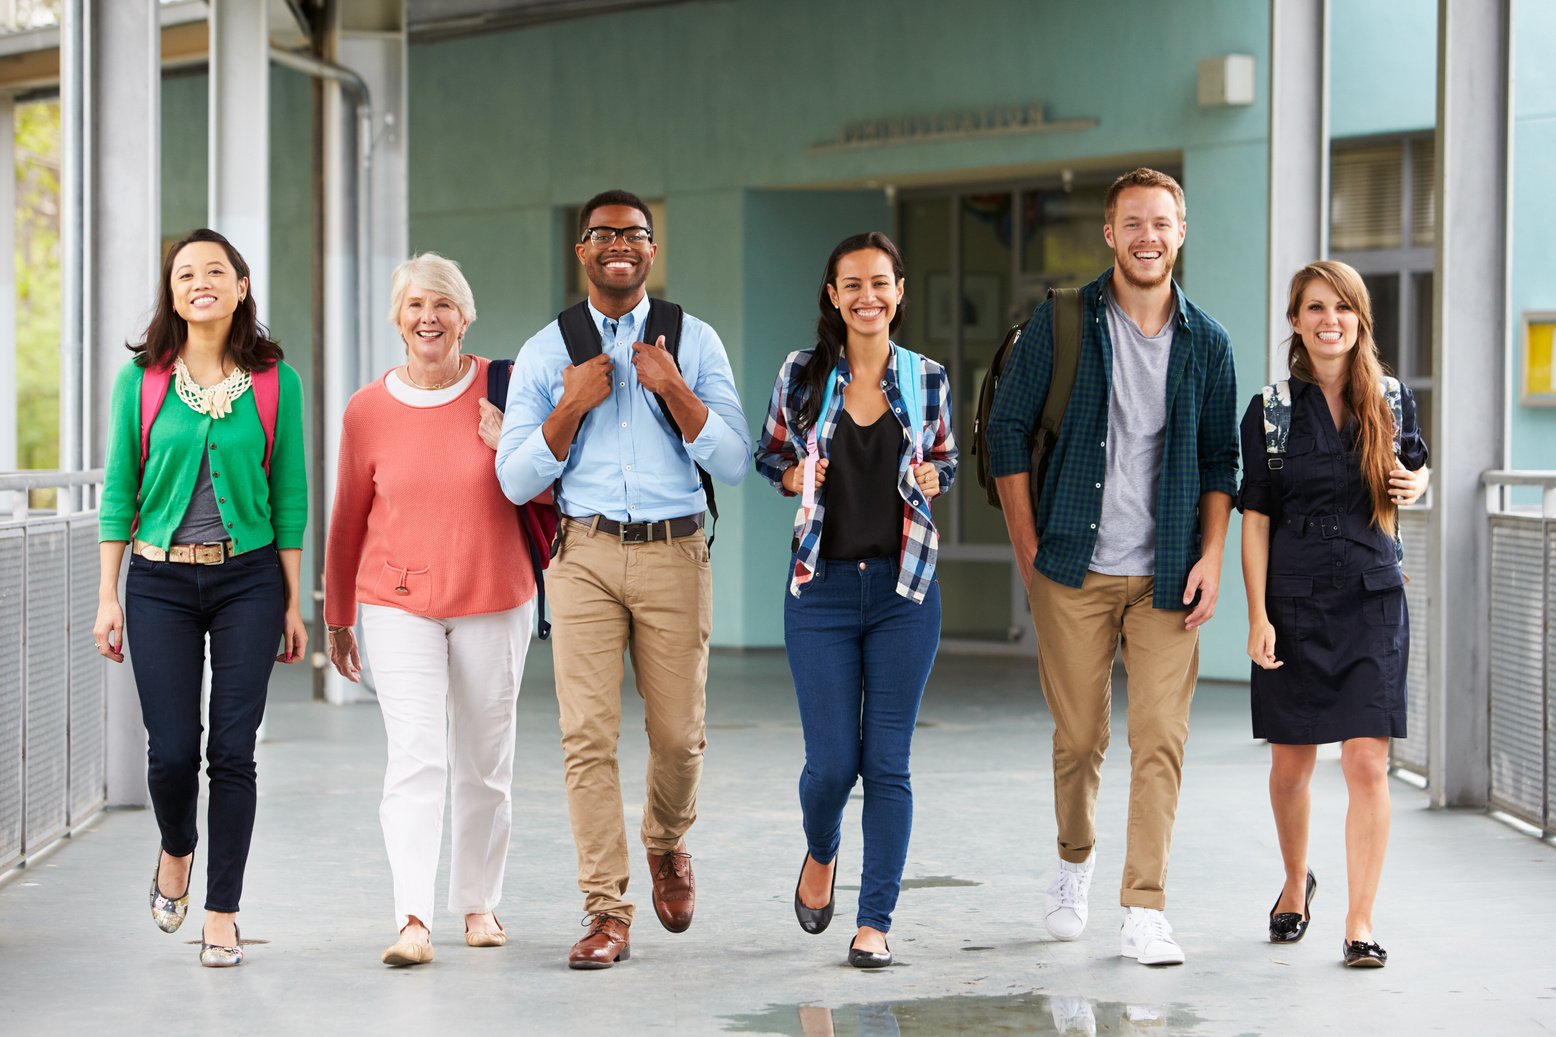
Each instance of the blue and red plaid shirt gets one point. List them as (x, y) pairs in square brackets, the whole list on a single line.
[(782, 446)]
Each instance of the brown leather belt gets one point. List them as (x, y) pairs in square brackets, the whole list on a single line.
[(190, 554), (642, 532)]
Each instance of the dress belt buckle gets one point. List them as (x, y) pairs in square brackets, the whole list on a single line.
[(1328, 526), (633, 532)]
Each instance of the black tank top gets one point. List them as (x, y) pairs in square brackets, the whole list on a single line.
[(863, 518)]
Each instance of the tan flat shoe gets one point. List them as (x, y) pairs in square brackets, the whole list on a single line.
[(487, 938), (409, 952)]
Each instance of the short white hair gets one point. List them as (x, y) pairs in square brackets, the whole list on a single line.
[(435, 273)]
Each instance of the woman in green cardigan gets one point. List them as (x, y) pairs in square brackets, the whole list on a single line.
[(209, 493)]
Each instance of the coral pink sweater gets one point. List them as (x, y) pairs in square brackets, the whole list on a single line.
[(419, 521)]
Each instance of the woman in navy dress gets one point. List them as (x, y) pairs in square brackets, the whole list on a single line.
[(1328, 628)]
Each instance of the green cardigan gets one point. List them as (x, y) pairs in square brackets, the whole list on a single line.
[(256, 511)]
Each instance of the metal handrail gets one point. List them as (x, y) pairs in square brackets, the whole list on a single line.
[(44, 480)]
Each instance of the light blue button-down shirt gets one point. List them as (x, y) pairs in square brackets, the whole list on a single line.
[(626, 463)]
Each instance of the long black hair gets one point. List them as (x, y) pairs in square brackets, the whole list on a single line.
[(249, 342), (831, 332)]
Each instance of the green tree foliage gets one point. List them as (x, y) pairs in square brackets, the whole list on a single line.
[(38, 305)]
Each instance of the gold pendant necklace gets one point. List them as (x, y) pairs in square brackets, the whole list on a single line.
[(459, 373)]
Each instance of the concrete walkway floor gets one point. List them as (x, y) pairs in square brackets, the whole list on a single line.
[(1467, 910)]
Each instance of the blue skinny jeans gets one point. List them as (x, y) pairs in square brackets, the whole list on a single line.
[(860, 654)]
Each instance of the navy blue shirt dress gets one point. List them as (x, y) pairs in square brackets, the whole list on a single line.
[(1334, 593)]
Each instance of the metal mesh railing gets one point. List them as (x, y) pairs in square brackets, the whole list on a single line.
[(52, 703), (1410, 753), (1523, 601)]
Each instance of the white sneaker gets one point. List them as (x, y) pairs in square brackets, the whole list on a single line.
[(1066, 913), (1148, 938), (1073, 1016)]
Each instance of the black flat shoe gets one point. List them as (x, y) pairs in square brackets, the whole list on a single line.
[(1359, 954), (1288, 926), (814, 919), (868, 959)]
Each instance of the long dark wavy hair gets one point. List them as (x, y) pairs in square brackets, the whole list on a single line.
[(249, 342), (831, 332)]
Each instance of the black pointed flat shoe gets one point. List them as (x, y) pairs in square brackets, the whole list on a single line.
[(1360, 954), (814, 919), (868, 959), (1288, 926)]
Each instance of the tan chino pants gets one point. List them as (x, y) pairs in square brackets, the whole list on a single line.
[(1078, 632), (655, 600)]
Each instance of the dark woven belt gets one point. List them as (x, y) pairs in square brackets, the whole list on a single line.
[(642, 532)]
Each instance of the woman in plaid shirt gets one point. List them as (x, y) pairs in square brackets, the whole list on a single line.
[(861, 429)]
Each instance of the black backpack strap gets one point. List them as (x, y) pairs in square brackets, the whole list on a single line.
[(1068, 324), (498, 374), (579, 334), (665, 318)]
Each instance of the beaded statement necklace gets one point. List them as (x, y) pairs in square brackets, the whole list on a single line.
[(214, 400)]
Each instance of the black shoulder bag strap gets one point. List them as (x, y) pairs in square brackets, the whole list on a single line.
[(664, 318)]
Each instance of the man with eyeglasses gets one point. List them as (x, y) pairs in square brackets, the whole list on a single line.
[(629, 432)]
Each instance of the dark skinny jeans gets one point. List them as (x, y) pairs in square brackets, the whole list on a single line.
[(170, 607)]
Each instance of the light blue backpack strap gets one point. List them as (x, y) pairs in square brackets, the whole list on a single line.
[(910, 382), (1277, 419), (1396, 397)]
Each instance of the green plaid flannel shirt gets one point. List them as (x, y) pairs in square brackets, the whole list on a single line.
[(1200, 454)]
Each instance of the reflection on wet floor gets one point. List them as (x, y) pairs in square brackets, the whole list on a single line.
[(1027, 1014)]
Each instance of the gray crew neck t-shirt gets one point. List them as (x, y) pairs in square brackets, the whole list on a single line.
[(1137, 432)]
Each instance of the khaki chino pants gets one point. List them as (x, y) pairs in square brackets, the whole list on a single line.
[(1079, 629), (656, 600)]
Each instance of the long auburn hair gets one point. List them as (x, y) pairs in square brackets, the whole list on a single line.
[(831, 332), (248, 342), (1362, 392)]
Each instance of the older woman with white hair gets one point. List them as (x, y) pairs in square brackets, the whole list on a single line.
[(446, 606)]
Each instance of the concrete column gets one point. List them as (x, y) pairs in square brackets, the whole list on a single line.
[(239, 139), (122, 86), (1299, 154), (1471, 351), (366, 223)]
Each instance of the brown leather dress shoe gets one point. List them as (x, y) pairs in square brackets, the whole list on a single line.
[(675, 890), (604, 946)]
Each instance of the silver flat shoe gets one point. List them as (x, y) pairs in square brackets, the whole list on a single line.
[(168, 913), (215, 956)]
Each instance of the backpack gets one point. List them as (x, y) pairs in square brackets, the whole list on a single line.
[(1277, 427), (1067, 326), (153, 390), (664, 318), (539, 519), (912, 389)]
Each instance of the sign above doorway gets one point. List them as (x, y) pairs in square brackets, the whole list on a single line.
[(972, 123)]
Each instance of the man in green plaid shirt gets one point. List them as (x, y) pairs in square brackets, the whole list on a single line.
[(1127, 538)]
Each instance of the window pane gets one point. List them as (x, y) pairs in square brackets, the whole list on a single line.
[(1384, 289), (1364, 201), (1422, 287), (985, 315), (1423, 191), (1062, 235), (924, 236)]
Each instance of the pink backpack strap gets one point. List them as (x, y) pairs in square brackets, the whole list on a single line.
[(267, 398), (153, 390)]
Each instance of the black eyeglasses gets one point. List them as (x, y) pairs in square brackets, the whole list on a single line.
[(603, 236)]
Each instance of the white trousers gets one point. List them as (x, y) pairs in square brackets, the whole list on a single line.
[(448, 689)]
